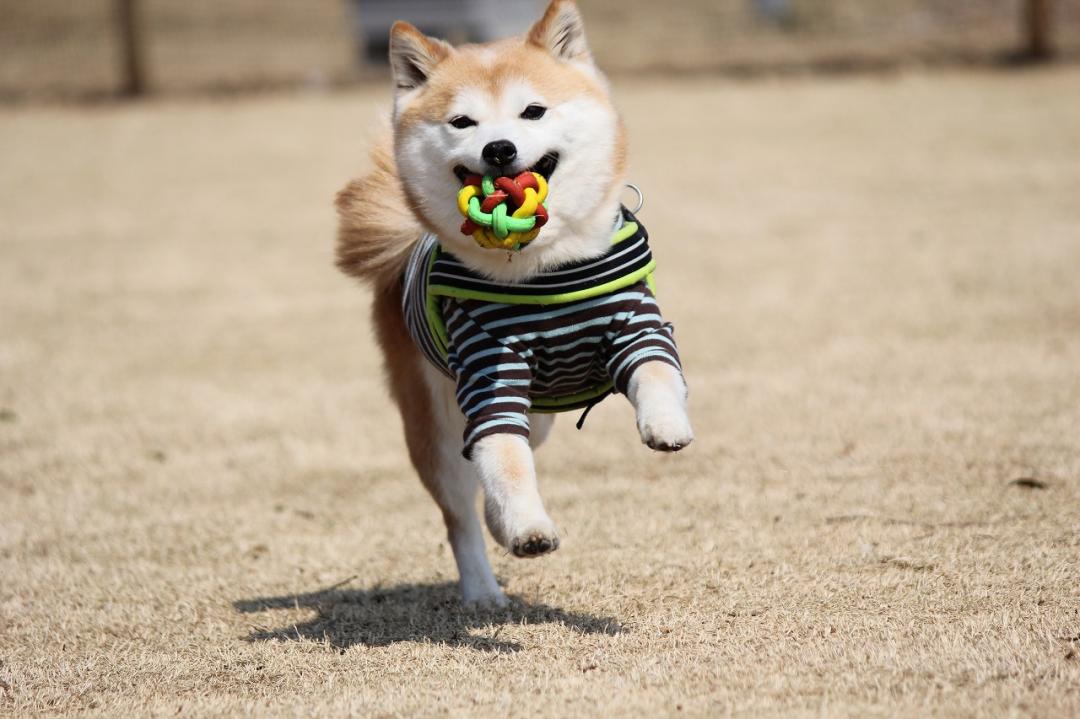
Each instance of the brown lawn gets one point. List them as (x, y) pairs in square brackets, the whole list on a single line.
[(205, 506)]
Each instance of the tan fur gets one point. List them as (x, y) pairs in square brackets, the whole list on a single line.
[(548, 33), (377, 228), (414, 55), (489, 67), (509, 465), (377, 231)]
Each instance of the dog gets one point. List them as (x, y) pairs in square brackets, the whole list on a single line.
[(481, 344)]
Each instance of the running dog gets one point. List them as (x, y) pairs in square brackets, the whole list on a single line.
[(482, 344)]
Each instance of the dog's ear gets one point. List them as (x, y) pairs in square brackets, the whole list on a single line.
[(413, 55), (561, 32)]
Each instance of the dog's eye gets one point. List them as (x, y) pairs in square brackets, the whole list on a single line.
[(533, 112), (462, 121)]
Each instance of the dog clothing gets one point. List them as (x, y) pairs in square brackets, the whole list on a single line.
[(558, 341)]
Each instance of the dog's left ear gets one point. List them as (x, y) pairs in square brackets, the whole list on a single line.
[(562, 32)]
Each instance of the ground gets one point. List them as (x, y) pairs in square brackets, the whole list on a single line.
[(206, 506)]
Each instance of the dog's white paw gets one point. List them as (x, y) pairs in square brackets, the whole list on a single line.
[(525, 533), (658, 392), (481, 597), (665, 431), (479, 590)]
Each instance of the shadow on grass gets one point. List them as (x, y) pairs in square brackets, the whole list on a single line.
[(410, 613)]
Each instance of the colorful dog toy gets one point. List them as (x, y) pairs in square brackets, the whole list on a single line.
[(502, 212)]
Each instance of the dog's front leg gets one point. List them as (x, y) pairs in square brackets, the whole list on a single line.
[(658, 392), (512, 505)]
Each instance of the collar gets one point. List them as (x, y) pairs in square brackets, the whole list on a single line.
[(628, 261)]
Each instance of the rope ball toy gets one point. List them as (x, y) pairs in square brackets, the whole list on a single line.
[(502, 212)]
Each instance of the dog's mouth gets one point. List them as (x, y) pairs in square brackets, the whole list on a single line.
[(544, 167)]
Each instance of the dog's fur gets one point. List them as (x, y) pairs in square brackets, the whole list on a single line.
[(412, 188)]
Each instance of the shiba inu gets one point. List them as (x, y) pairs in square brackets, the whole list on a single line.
[(481, 344)]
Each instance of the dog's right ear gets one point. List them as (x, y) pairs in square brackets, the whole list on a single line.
[(413, 55)]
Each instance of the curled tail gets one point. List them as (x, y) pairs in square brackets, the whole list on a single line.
[(376, 228)]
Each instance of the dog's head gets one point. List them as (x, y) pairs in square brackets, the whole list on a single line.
[(536, 102)]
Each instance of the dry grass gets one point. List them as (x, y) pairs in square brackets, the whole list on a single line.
[(205, 506)]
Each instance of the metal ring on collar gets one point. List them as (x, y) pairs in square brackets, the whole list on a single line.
[(640, 197)]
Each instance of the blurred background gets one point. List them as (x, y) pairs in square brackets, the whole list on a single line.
[(98, 48)]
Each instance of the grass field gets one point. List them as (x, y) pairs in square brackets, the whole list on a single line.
[(205, 506)]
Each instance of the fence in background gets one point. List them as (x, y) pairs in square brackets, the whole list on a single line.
[(100, 48)]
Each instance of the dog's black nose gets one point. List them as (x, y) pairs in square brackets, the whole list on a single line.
[(499, 153)]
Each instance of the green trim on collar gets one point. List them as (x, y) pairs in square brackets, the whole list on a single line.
[(434, 315), (618, 283), (628, 230), (437, 327)]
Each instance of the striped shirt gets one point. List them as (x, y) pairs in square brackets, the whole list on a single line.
[(557, 341)]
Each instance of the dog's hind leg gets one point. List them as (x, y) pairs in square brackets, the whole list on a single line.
[(453, 481), (433, 429)]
